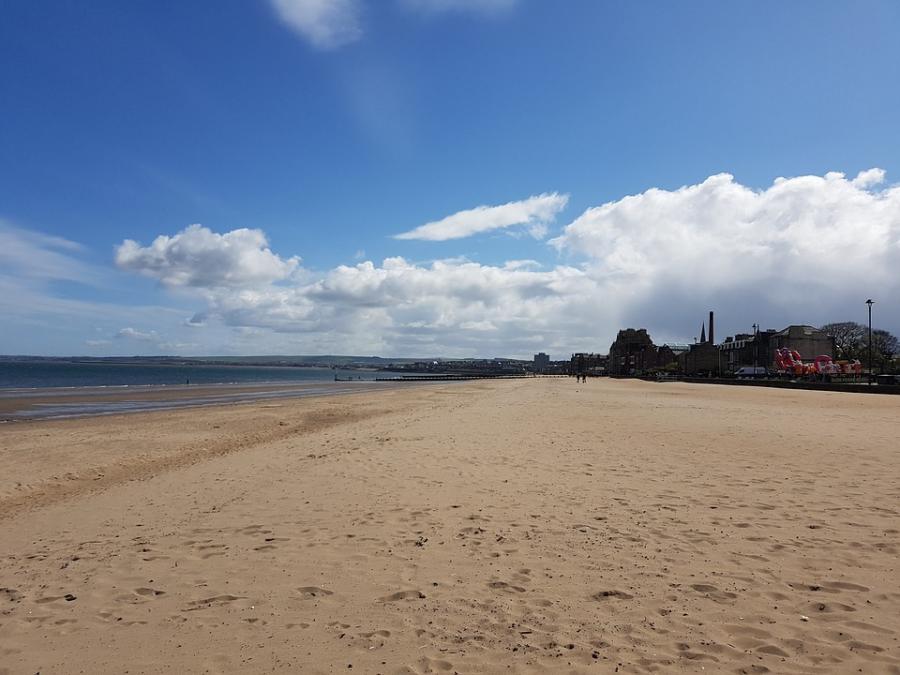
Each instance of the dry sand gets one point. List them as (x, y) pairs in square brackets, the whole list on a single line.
[(512, 526)]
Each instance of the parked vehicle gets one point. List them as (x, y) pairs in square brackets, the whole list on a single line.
[(749, 372)]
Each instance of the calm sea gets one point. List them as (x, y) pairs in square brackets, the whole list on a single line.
[(26, 375)]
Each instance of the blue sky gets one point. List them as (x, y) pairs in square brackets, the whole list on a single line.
[(331, 126)]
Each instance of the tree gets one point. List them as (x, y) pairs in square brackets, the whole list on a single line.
[(884, 347), (850, 339)]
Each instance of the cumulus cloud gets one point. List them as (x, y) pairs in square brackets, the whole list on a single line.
[(865, 179), (326, 24), (447, 307), (198, 257), (808, 249), (805, 249), (534, 212)]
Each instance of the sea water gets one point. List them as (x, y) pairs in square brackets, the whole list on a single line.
[(40, 374)]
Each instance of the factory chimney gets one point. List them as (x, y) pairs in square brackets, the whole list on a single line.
[(712, 334)]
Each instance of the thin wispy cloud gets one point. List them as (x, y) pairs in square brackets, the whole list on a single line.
[(534, 213), (42, 257), (480, 6), (326, 24), (330, 24), (133, 334)]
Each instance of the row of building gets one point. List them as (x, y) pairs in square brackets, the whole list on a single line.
[(634, 353)]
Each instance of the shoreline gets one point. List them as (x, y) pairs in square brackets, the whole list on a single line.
[(527, 527), (17, 405)]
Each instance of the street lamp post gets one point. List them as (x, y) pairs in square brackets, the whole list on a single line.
[(870, 302), (755, 348)]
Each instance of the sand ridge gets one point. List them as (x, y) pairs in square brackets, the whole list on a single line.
[(535, 526)]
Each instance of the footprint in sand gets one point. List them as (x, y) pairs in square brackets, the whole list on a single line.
[(215, 601), (862, 625), (376, 634), (434, 665), (404, 595), (713, 592), (856, 645), (605, 595), (314, 592), (828, 586), (149, 592), (10, 594), (844, 586), (68, 597), (828, 607), (503, 586)]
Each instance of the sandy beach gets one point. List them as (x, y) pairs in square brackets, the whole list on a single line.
[(480, 527)]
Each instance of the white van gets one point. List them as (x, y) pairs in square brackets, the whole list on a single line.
[(751, 372)]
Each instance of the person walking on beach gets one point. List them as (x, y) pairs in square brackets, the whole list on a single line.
[(579, 370)]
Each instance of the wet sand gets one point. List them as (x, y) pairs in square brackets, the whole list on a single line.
[(65, 402), (509, 526)]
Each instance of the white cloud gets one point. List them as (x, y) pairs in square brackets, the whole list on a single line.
[(198, 257), (329, 24), (41, 257), (534, 212), (808, 249), (445, 308), (42, 311), (449, 307), (153, 341), (804, 250), (866, 179), (326, 24), (132, 334)]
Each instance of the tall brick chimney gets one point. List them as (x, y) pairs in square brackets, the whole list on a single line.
[(712, 334)]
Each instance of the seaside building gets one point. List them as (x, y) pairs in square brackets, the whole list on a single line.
[(809, 341), (677, 348), (633, 353), (745, 349), (758, 349), (541, 362), (702, 358), (588, 363)]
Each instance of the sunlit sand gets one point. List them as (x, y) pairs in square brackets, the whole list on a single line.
[(510, 526)]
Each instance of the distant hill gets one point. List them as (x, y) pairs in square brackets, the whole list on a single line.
[(322, 359)]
